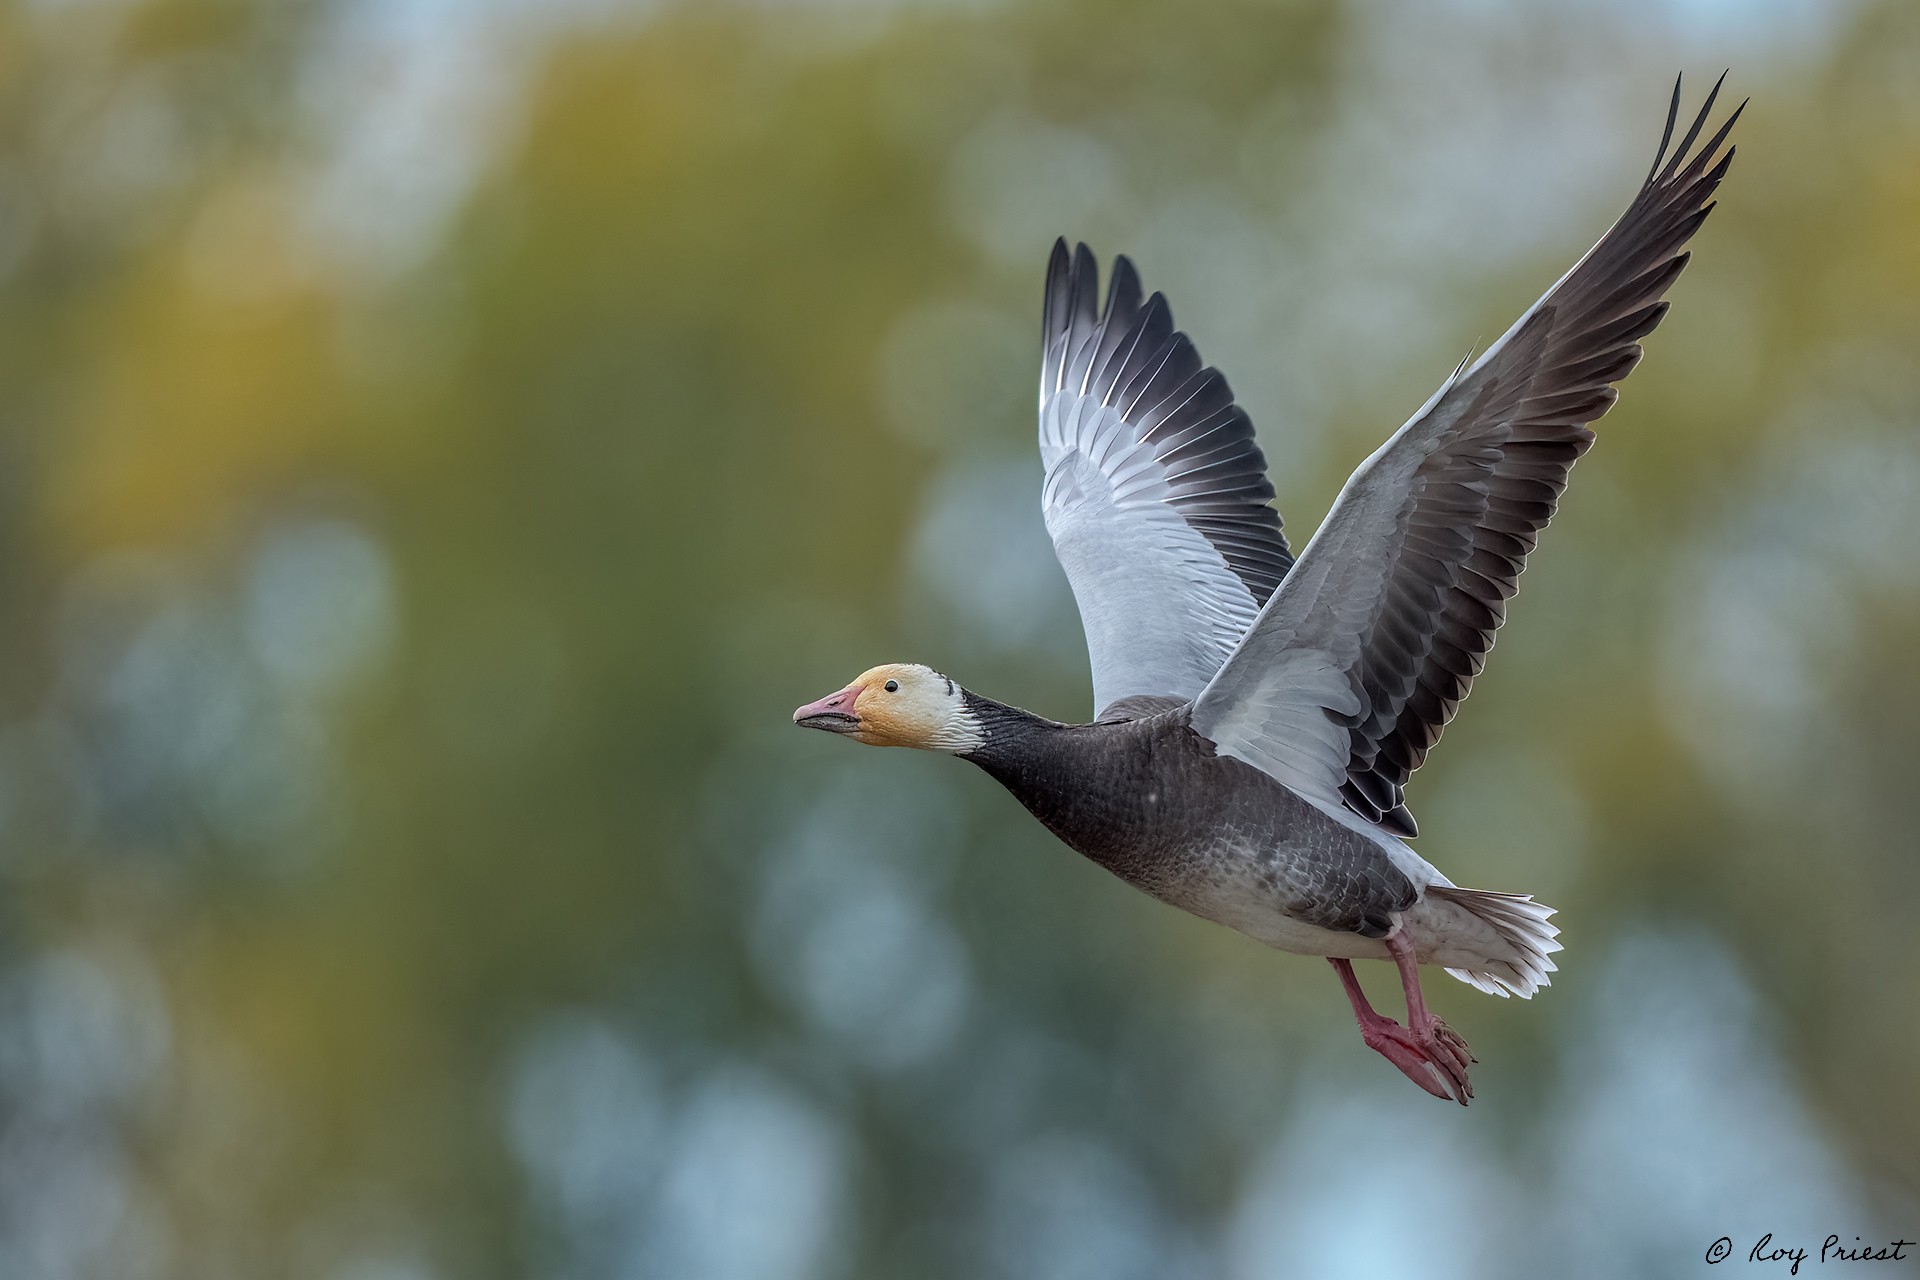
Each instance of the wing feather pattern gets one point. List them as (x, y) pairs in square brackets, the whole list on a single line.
[(1365, 652), (1156, 495)]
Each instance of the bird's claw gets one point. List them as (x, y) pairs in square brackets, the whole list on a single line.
[(1436, 1061)]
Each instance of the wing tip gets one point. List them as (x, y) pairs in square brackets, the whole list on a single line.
[(1666, 166), (1666, 135)]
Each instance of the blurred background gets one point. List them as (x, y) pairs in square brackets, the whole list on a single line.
[(442, 440)]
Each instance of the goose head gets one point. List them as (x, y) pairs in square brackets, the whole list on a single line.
[(899, 705)]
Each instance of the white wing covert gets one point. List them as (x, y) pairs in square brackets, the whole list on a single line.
[(1155, 494)]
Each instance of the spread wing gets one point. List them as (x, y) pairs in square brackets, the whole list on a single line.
[(1156, 495), (1367, 649)]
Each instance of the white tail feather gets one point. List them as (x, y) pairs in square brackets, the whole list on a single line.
[(1527, 935)]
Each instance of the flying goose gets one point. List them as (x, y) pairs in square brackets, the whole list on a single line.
[(1259, 715)]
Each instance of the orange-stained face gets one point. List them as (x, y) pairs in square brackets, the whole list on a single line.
[(898, 705)]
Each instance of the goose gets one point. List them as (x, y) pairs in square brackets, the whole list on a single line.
[(1258, 715)]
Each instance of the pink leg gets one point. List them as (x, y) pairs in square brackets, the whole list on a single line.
[(1431, 1031), (1426, 1050)]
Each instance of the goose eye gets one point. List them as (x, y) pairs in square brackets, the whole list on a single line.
[(892, 686)]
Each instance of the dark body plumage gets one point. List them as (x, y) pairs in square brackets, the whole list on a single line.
[(1147, 798)]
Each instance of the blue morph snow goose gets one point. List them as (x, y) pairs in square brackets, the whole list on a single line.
[(1259, 716)]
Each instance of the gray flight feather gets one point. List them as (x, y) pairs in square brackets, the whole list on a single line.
[(1156, 495), (1363, 655)]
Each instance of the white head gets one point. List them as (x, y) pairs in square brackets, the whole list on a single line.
[(898, 705)]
